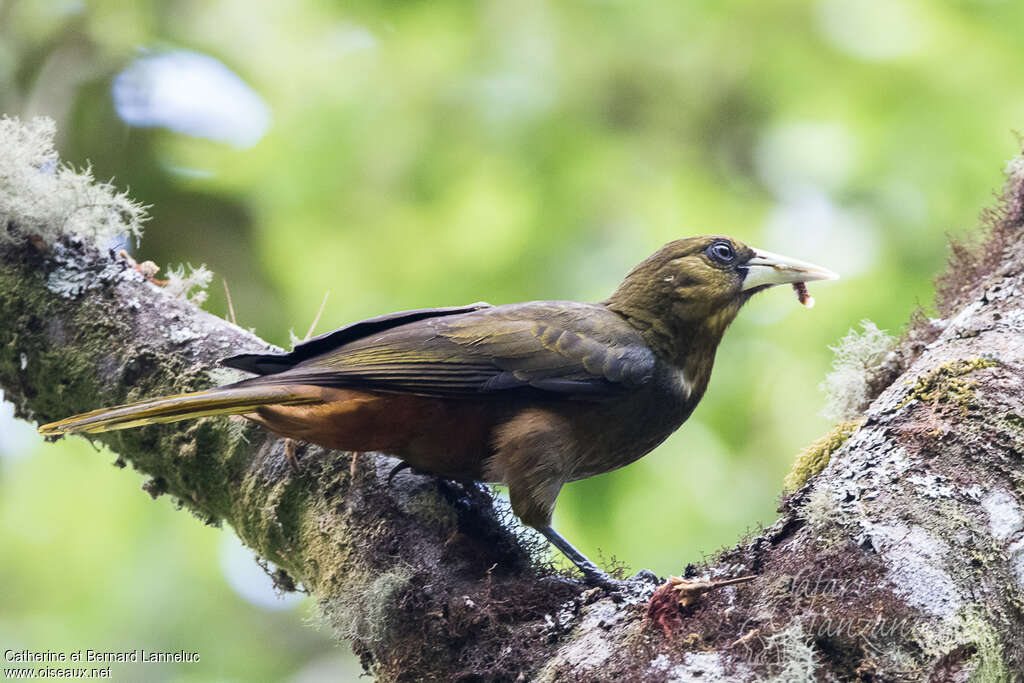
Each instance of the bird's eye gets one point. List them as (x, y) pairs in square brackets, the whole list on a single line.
[(721, 252)]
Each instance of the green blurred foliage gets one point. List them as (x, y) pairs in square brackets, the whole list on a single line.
[(439, 153)]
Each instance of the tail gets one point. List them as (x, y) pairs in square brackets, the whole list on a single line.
[(228, 400)]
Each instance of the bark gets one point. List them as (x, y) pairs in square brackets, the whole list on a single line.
[(903, 559)]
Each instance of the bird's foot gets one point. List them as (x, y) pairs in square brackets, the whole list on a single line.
[(640, 584), (592, 574), (403, 466), (597, 578), (397, 469)]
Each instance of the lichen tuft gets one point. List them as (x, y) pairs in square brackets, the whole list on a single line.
[(189, 282), (42, 198), (791, 654), (858, 356), (368, 618)]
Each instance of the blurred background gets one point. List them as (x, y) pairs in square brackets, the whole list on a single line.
[(409, 154)]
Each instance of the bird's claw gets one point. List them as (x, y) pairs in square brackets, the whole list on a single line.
[(598, 579), (643, 580), (397, 469)]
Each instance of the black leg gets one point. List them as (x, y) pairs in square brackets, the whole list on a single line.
[(591, 573)]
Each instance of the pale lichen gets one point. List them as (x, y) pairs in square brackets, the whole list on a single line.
[(701, 666), (590, 646), (857, 356), (916, 565), (71, 279), (189, 282), (791, 655), (825, 516), (369, 616), (1015, 555), (1004, 514), (41, 197)]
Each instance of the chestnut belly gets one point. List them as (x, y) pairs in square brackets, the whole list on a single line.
[(449, 438)]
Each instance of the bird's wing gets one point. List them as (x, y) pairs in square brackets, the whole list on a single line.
[(268, 363), (552, 347)]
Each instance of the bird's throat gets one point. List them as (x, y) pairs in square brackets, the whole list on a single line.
[(686, 344)]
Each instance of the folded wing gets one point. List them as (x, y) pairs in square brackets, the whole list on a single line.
[(564, 348)]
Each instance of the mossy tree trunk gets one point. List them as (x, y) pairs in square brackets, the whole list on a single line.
[(903, 559)]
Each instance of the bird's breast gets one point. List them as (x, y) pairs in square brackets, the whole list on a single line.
[(614, 434)]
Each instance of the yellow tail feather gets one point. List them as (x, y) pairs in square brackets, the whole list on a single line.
[(230, 400)]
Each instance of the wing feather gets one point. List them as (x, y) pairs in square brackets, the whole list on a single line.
[(563, 348)]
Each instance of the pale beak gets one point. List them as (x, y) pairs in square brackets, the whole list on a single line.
[(766, 269)]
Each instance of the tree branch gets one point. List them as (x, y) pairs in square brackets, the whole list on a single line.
[(902, 560)]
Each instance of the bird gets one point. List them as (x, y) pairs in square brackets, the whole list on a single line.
[(531, 395)]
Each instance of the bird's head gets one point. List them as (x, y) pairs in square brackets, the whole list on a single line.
[(699, 284)]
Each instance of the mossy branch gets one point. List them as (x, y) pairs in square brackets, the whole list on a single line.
[(901, 559), (372, 552)]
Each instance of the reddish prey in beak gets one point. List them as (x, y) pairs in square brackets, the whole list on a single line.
[(802, 295)]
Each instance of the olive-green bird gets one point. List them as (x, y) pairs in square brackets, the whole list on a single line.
[(531, 395)]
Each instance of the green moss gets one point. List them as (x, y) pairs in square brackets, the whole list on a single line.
[(283, 515), (429, 505), (989, 667), (968, 642), (1013, 426), (815, 457), (947, 384)]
